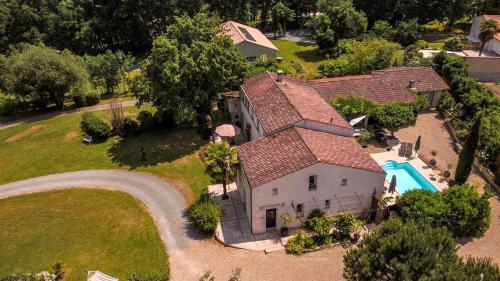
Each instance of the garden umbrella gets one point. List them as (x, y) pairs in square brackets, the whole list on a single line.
[(418, 143), (392, 185), (227, 130)]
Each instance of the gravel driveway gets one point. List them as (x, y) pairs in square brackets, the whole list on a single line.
[(189, 255)]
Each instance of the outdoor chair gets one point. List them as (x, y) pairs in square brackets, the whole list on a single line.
[(87, 139)]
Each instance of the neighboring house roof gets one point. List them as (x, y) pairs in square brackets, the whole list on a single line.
[(381, 86), (269, 158), (243, 33), (281, 104)]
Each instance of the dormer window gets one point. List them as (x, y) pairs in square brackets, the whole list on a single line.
[(313, 182)]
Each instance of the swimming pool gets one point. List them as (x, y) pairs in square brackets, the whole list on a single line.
[(407, 178)]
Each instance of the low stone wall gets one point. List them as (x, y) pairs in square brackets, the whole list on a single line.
[(484, 69)]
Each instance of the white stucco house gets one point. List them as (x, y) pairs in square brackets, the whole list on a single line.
[(493, 45), (300, 155), (251, 42)]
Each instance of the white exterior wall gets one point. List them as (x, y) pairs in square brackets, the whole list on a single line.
[(253, 50), (493, 46), (294, 188)]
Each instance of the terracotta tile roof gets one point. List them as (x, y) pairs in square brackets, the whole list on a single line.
[(281, 104), (382, 86), (269, 158), (497, 19), (270, 105), (240, 33)]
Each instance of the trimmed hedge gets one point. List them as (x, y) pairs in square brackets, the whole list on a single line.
[(205, 214), (95, 127)]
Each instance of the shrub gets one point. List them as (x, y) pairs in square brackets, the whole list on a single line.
[(346, 223), (147, 121), (467, 212), (92, 98), (422, 206), (8, 104), (404, 251), (363, 137), (130, 127), (78, 99), (299, 68), (323, 227), (316, 213), (205, 214), (453, 44), (94, 126), (299, 243)]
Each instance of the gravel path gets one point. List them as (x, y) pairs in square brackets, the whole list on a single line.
[(48, 115), (189, 255)]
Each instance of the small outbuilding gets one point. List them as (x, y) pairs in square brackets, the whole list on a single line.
[(251, 42)]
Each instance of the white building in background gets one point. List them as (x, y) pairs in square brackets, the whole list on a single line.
[(251, 42)]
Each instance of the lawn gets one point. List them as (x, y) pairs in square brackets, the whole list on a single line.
[(54, 145), (305, 54), (85, 229)]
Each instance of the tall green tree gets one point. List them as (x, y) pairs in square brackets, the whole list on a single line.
[(188, 67), (109, 69), (339, 20), (487, 32), (42, 75), (401, 251), (220, 159), (468, 153), (281, 14)]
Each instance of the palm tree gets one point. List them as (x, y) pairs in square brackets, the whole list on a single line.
[(487, 32), (220, 158)]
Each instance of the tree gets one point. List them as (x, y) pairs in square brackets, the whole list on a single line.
[(340, 20), (220, 158), (281, 14), (401, 251), (41, 75), (108, 69), (467, 213), (453, 44), (188, 67), (487, 32), (353, 106), (468, 153), (362, 57), (407, 32)]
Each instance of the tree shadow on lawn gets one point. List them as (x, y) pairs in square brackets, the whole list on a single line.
[(312, 55), (159, 147)]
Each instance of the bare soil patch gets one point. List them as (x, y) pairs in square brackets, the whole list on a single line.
[(27, 133)]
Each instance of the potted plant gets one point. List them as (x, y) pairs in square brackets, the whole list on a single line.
[(363, 138), (285, 221), (447, 173), (433, 160)]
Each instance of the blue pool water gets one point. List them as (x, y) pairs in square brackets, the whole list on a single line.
[(407, 177)]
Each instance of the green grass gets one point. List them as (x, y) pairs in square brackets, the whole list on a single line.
[(54, 145), (305, 54), (85, 229)]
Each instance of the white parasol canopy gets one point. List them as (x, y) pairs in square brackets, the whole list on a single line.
[(356, 120), (99, 276)]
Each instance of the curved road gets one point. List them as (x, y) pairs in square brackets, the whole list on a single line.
[(164, 203)]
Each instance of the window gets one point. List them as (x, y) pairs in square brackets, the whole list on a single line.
[(275, 191), (251, 59), (237, 117), (344, 182), (313, 182), (327, 204), (300, 210)]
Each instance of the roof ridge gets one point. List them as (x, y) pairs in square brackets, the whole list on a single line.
[(238, 30), (342, 78), (304, 142), (286, 97)]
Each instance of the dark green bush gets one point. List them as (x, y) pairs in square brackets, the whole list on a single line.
[(130, 127), (453, 44), (315, 213), (147, 122), (92, 98), (95, 127), (78, 99), (467, 212), (8, 104), (137, 276), (205, 214), (346, 223), (422, 206)]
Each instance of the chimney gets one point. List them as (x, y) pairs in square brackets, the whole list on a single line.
[(412, 85), (280, 75)]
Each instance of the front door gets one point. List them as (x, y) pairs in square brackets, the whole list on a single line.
[(270, 218)]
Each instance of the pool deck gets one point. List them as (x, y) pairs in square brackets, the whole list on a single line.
[(425, 170)]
